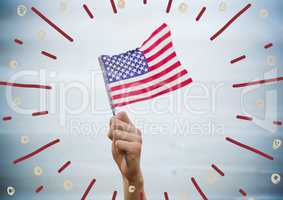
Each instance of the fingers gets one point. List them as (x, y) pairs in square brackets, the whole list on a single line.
[(123, 135), (117, 124), (124, 117), (129, 147)]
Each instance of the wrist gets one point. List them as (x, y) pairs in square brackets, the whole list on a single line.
[(136, 181)]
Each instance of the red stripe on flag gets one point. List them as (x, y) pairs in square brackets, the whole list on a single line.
[(160, 52), (163, 26), (163, 62), (157, 42), (175, 87), (148, 79), (153, 87)]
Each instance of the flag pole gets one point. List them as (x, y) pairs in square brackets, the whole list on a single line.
[(109, 97)]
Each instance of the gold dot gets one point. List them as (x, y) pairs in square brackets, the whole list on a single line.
[(24, 140), (183, 7), (63, 6), (11, 190), (259, 103), (263, 13), (17, 101), (132, 189), (275, 178), (37, 171), (41, 35), (22, 10), (211, 178), (222, 6), (276, 144), (271, 60), (68, 185), (13, 64), (121, 4)]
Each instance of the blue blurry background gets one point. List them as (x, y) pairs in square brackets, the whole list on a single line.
[(183, 132)]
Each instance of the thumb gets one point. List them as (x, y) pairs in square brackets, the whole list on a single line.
[(123, 117)]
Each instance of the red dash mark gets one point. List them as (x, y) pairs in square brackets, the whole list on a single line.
[(17, 41), (219, 171), (278, 123), (39, 189), (169, 6), (114, 195), (67, 164), (144, 1), (113, 6), (88, 189), (200, 13), (48, 55), (243, 192), (36, 151), (7, 118), (25, 85), (88, 11), (198, 189), (238, 59), (269, 45), (166, 196), (257, 82), (230, 21), (39, 113), (57, 28), (249, 148), (244, 117)]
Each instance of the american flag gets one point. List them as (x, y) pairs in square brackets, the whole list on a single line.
[(146, 72)]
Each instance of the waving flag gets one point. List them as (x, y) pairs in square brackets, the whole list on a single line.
[(146, 72)]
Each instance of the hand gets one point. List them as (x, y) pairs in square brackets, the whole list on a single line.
[(126, 151)]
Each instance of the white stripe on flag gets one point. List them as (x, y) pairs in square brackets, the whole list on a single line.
[(161, 57), (152, 92), (153, 82), (155, 38)]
